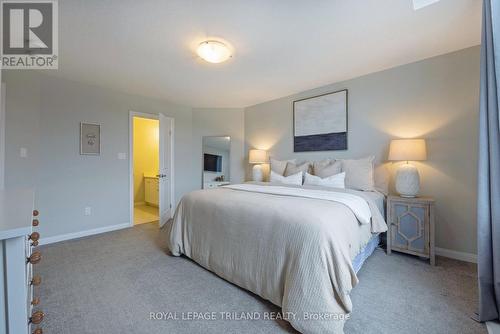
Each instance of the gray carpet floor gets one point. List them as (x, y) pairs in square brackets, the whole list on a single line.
[(110, 283)]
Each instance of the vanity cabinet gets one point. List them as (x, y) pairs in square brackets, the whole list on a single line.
[(151, 190)]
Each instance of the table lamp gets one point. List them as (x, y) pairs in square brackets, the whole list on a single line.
[(407, 178), (257, 157)]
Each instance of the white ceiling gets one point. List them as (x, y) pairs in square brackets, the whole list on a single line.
[(281, 47)]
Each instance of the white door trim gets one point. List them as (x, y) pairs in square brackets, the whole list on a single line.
[(2, 135), (172, 169), (133, 114)]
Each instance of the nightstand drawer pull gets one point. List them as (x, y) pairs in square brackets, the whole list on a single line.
[(35, 258), (37, 317), (36, 280)]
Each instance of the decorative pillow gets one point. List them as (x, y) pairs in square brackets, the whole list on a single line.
[(279, 166), (359, 173), (292, 168), (327, 168), (295, 179), (334, 181)]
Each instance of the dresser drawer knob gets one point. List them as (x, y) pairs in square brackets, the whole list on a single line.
[(34, 236), (38, 331), (35, 301), (35, 213), (37, 317), (36, 280), (35, 257), (35, 222)]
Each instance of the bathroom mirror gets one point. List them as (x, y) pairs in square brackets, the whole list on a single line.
[(216, 155)]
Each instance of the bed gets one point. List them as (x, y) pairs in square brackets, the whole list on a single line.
[(299, 247)]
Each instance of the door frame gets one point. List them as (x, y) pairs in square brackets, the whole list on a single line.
[(133, 114)]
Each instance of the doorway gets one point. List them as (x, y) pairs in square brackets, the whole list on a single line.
[(151, 171), (146, 162)]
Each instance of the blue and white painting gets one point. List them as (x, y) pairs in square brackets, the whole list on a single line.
[(320, 123)]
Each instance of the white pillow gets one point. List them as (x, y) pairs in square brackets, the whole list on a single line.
[(279, 166), (359, 173), (295, 179), (334, 181)]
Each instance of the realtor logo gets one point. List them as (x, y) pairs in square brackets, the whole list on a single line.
[(29, 34)]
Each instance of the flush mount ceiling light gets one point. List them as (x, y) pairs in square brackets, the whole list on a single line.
[(213, 51)]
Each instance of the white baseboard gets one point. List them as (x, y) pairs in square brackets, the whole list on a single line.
[(493, 327), (462, 256), (80, 234)]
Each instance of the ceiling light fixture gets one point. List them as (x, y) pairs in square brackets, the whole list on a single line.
[(214, 51)]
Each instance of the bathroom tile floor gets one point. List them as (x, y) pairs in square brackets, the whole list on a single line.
[(145, 214)]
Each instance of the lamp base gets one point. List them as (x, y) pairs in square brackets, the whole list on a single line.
[(257, 174), (407, 181)]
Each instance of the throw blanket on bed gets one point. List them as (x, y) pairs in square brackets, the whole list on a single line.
[(357, 204), (288, 247)]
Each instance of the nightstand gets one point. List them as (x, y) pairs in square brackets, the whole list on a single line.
[(411, 226)]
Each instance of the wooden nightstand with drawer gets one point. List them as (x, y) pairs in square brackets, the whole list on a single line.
[(411, 226)]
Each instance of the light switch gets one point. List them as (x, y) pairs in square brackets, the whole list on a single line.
[(122, 156), (23, 152)]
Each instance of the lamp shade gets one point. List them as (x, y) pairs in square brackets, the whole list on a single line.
[(257, 157), (407, 149)]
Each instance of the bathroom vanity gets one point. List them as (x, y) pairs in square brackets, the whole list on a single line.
[(151, 190)]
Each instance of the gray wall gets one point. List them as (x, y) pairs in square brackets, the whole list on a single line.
[(436, 99), (2, 133), (220, 122), (43, 115)]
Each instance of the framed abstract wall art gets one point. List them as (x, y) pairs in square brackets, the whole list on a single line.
[(320, 122)]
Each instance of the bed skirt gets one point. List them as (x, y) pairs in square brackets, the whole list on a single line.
[(358, 261)]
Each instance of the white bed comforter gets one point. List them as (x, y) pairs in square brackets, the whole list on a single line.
[(290, 245)]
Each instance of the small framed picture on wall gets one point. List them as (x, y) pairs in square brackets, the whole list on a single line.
[(90, 139)]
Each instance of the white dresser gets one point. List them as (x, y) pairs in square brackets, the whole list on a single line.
[(19, 306), (214, 184)]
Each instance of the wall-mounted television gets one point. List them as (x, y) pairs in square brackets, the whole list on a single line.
[(212, 163)]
